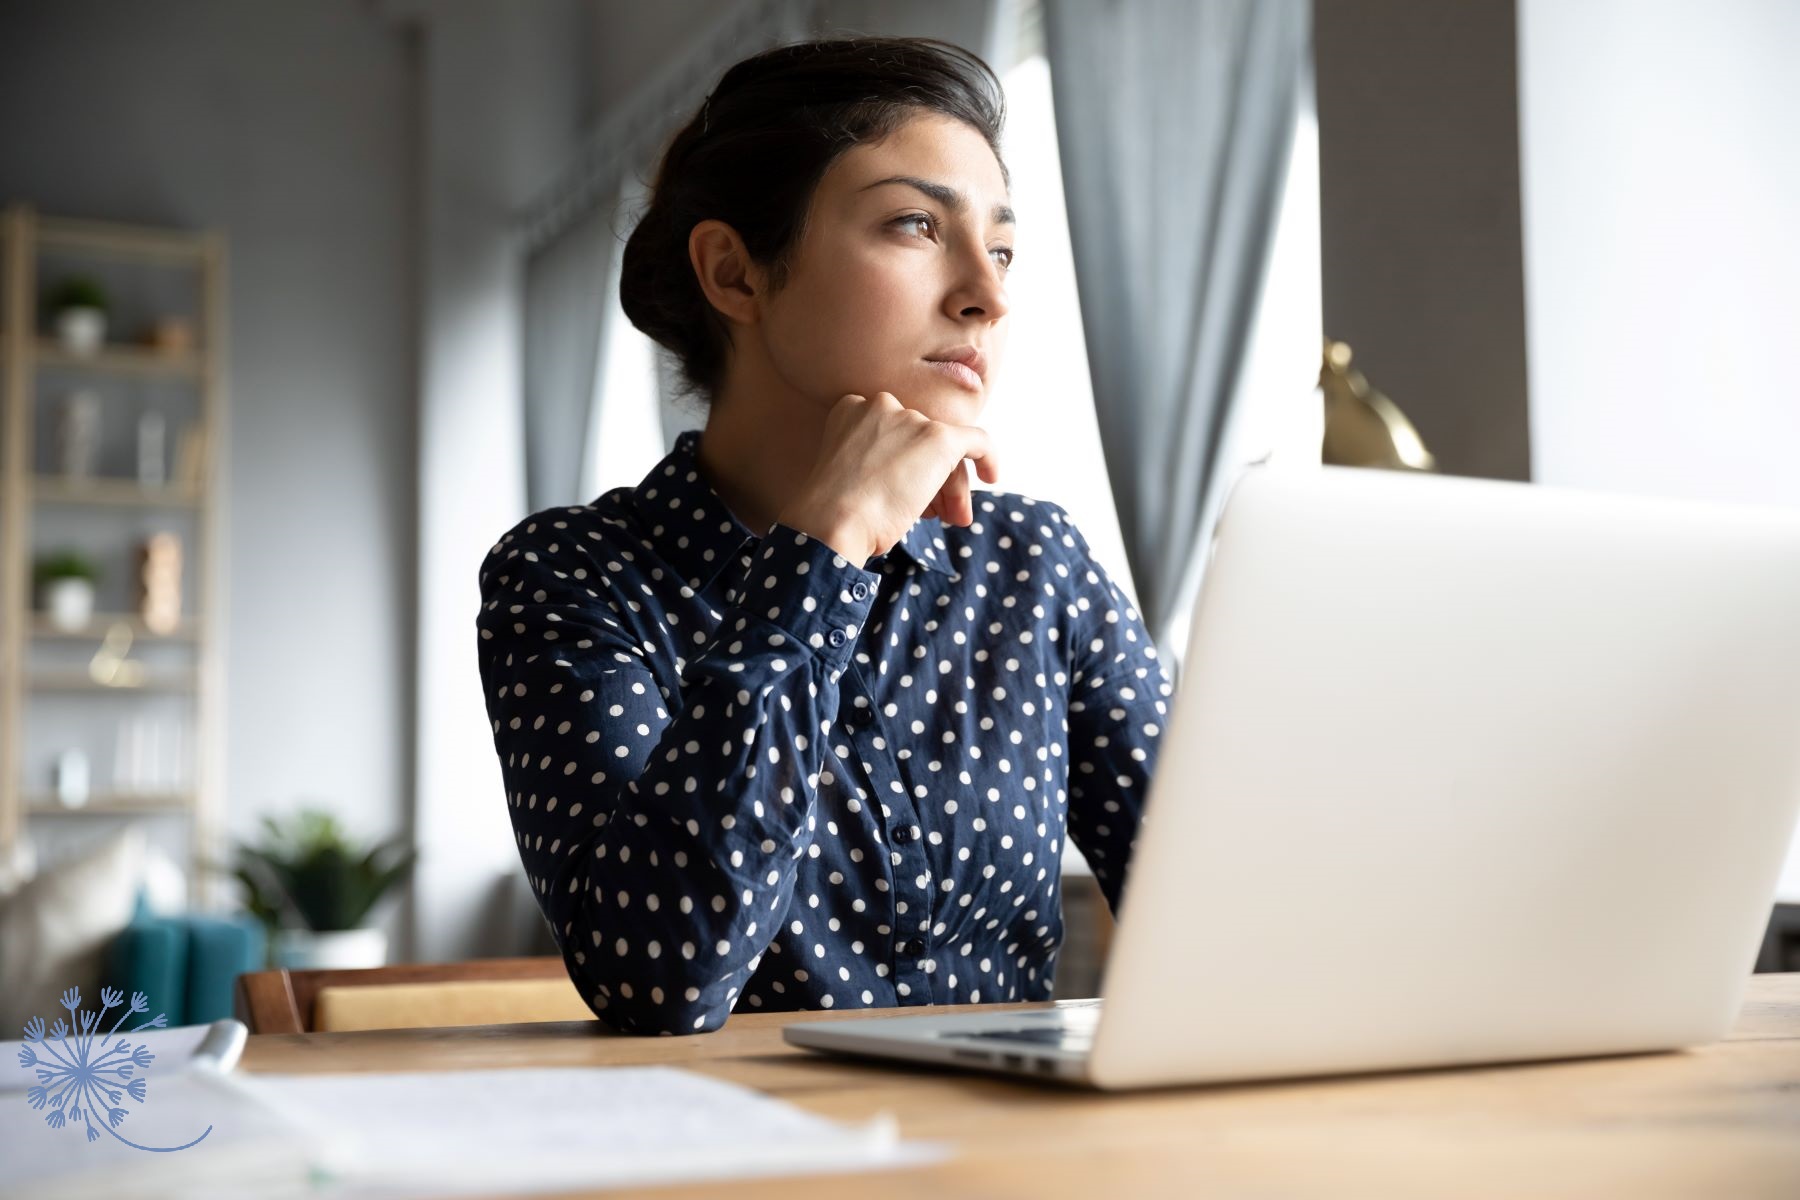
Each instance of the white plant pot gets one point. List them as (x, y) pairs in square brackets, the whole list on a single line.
[(70, 603), (337, 949), (81, 330)]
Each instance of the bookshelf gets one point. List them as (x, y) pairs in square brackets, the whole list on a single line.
[(83, 685)]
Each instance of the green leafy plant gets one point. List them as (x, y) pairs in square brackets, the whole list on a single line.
[(77, 291), (306, 873), (65, 564)]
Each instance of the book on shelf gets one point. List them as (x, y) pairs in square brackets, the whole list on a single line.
[(190, 457)]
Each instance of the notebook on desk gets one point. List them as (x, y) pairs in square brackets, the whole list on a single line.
[(1460, 771)]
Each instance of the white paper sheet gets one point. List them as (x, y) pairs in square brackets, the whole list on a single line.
[(439, 1133), (248, 1149), (387, 1136)]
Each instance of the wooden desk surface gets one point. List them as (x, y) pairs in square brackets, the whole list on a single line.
[(1720, 1121)]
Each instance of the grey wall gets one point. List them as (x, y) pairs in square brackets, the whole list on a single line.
[(1420, 233), (502, 85), (632, 41), (291, 127)]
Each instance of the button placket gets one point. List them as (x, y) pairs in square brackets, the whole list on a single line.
[(877, 774), (906, 835), (906, 838), (901, 833)]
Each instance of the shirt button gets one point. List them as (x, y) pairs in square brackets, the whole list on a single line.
[(862, 716), (859, 591), (835, 637), (903, 834), (911, 947)]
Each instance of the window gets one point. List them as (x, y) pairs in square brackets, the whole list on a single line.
[(1041, 411)]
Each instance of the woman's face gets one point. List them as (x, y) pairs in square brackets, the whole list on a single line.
[(903, 260)]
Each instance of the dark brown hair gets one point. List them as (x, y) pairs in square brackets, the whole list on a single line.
[(756, 149)]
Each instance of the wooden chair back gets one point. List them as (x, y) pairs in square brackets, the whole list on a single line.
[(285, 1001)]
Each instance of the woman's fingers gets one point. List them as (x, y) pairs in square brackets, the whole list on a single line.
[(955, 496), (979, 448), (954, 502), (940, 505)]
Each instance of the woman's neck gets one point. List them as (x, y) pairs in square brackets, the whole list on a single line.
[(758, 448)]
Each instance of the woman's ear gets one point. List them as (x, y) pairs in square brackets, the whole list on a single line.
[(730, 281)]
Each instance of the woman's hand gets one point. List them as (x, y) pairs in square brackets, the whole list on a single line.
[(882, 466)]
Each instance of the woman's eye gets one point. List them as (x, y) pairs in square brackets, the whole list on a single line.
[(916, 219)]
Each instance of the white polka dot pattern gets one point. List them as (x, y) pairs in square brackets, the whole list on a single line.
[(742, 770)]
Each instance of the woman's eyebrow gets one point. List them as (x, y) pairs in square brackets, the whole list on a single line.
[(944, 195)]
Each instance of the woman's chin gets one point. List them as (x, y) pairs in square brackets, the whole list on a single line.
[(949, 401)]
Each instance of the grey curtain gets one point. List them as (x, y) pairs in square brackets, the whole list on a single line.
[(1175, 120), (565, 309)]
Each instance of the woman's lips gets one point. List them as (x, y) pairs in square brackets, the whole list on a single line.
[(957, 371)]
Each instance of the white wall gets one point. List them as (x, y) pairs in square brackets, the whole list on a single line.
[(1661, 161)]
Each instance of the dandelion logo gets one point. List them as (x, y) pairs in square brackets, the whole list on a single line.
[(81, 1084)]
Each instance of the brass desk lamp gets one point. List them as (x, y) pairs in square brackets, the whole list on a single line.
[(1363, 428)]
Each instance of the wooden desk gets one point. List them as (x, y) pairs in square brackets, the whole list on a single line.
[(1721, 1121)]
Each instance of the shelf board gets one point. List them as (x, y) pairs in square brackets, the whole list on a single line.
[(121, 358), (121, 493), (107, 239), (113, 802), (96, 629), (81, 681)]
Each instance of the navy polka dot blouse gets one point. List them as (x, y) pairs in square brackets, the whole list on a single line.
[(744, 771)]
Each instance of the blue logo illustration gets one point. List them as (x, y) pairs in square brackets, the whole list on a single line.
[(84, 1085)]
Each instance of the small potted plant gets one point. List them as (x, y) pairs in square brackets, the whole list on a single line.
[(65, 582), (78, 311), (313, 888)]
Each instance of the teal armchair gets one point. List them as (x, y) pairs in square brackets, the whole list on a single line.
[(187, 964)]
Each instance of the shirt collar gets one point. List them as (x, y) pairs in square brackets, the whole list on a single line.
[(691, 527)]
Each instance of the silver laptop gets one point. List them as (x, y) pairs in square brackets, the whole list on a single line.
[(1459, 771)]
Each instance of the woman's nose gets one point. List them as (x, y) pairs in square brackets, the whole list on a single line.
[(985, 291)]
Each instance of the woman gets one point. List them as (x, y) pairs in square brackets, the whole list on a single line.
[(799, 721)]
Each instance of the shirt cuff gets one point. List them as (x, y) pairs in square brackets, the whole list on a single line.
[(815, 594)]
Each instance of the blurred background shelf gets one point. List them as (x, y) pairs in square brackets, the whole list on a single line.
[(103, 623), (71, 681), (122, 359), (112, 803), (154, 280), (124, 493), (175, 247)]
